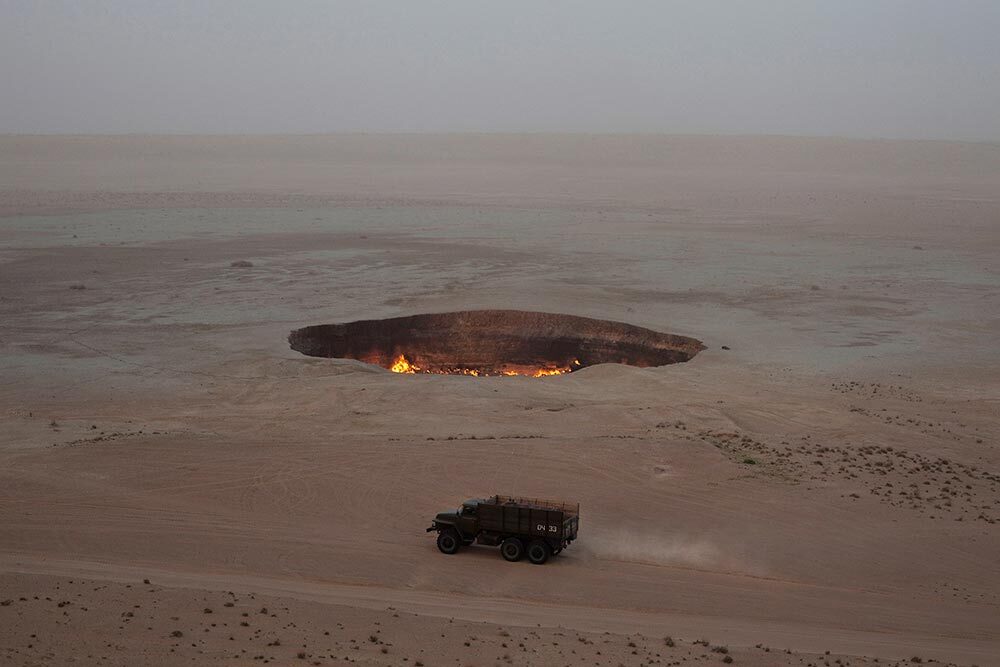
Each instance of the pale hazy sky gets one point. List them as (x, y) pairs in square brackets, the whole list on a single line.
[(863, 68)]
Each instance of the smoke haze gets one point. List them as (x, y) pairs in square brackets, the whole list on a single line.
[(893, 68)]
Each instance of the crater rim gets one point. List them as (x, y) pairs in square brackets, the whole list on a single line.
[(493, 342)]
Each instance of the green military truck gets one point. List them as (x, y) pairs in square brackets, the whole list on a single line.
[(519, 526)]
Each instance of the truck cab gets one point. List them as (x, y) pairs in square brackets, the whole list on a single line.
[(464, 520)]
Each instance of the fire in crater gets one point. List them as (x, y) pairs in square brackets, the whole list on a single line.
[(402, 365)]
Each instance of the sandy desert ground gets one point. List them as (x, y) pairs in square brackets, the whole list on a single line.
[(820, 486)]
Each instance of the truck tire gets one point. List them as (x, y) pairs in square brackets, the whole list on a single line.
[(539, 552), (448, 541), (512, 549)]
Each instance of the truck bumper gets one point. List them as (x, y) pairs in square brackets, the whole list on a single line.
[(433, 527)]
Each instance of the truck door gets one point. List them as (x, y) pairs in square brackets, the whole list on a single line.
[(468, 520)]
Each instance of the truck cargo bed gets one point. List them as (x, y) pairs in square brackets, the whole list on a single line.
[(530, 516)]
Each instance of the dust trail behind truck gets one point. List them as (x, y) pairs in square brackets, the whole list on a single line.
[(520, 526)]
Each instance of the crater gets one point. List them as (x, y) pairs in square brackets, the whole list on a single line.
[(493, 342)]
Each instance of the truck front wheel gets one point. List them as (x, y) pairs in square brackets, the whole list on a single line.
[(512, 549), (538, 552), (448, 541)]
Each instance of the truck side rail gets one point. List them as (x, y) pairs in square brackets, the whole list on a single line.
[(538, 503)]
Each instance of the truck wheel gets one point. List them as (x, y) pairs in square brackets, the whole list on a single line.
[(448, 541), (512, 549), (538, 552)]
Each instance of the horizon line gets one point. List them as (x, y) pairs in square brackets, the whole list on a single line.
[(498, 133)]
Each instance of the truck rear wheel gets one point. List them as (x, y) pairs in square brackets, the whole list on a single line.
[(448, 541), (539, 552), (512, 549)]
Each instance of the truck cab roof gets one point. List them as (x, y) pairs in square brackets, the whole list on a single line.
[(470, 506)]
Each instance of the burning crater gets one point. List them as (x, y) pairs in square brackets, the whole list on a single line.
[(493, 342)]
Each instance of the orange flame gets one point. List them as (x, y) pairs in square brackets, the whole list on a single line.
[(401, 365), (543, 372)]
